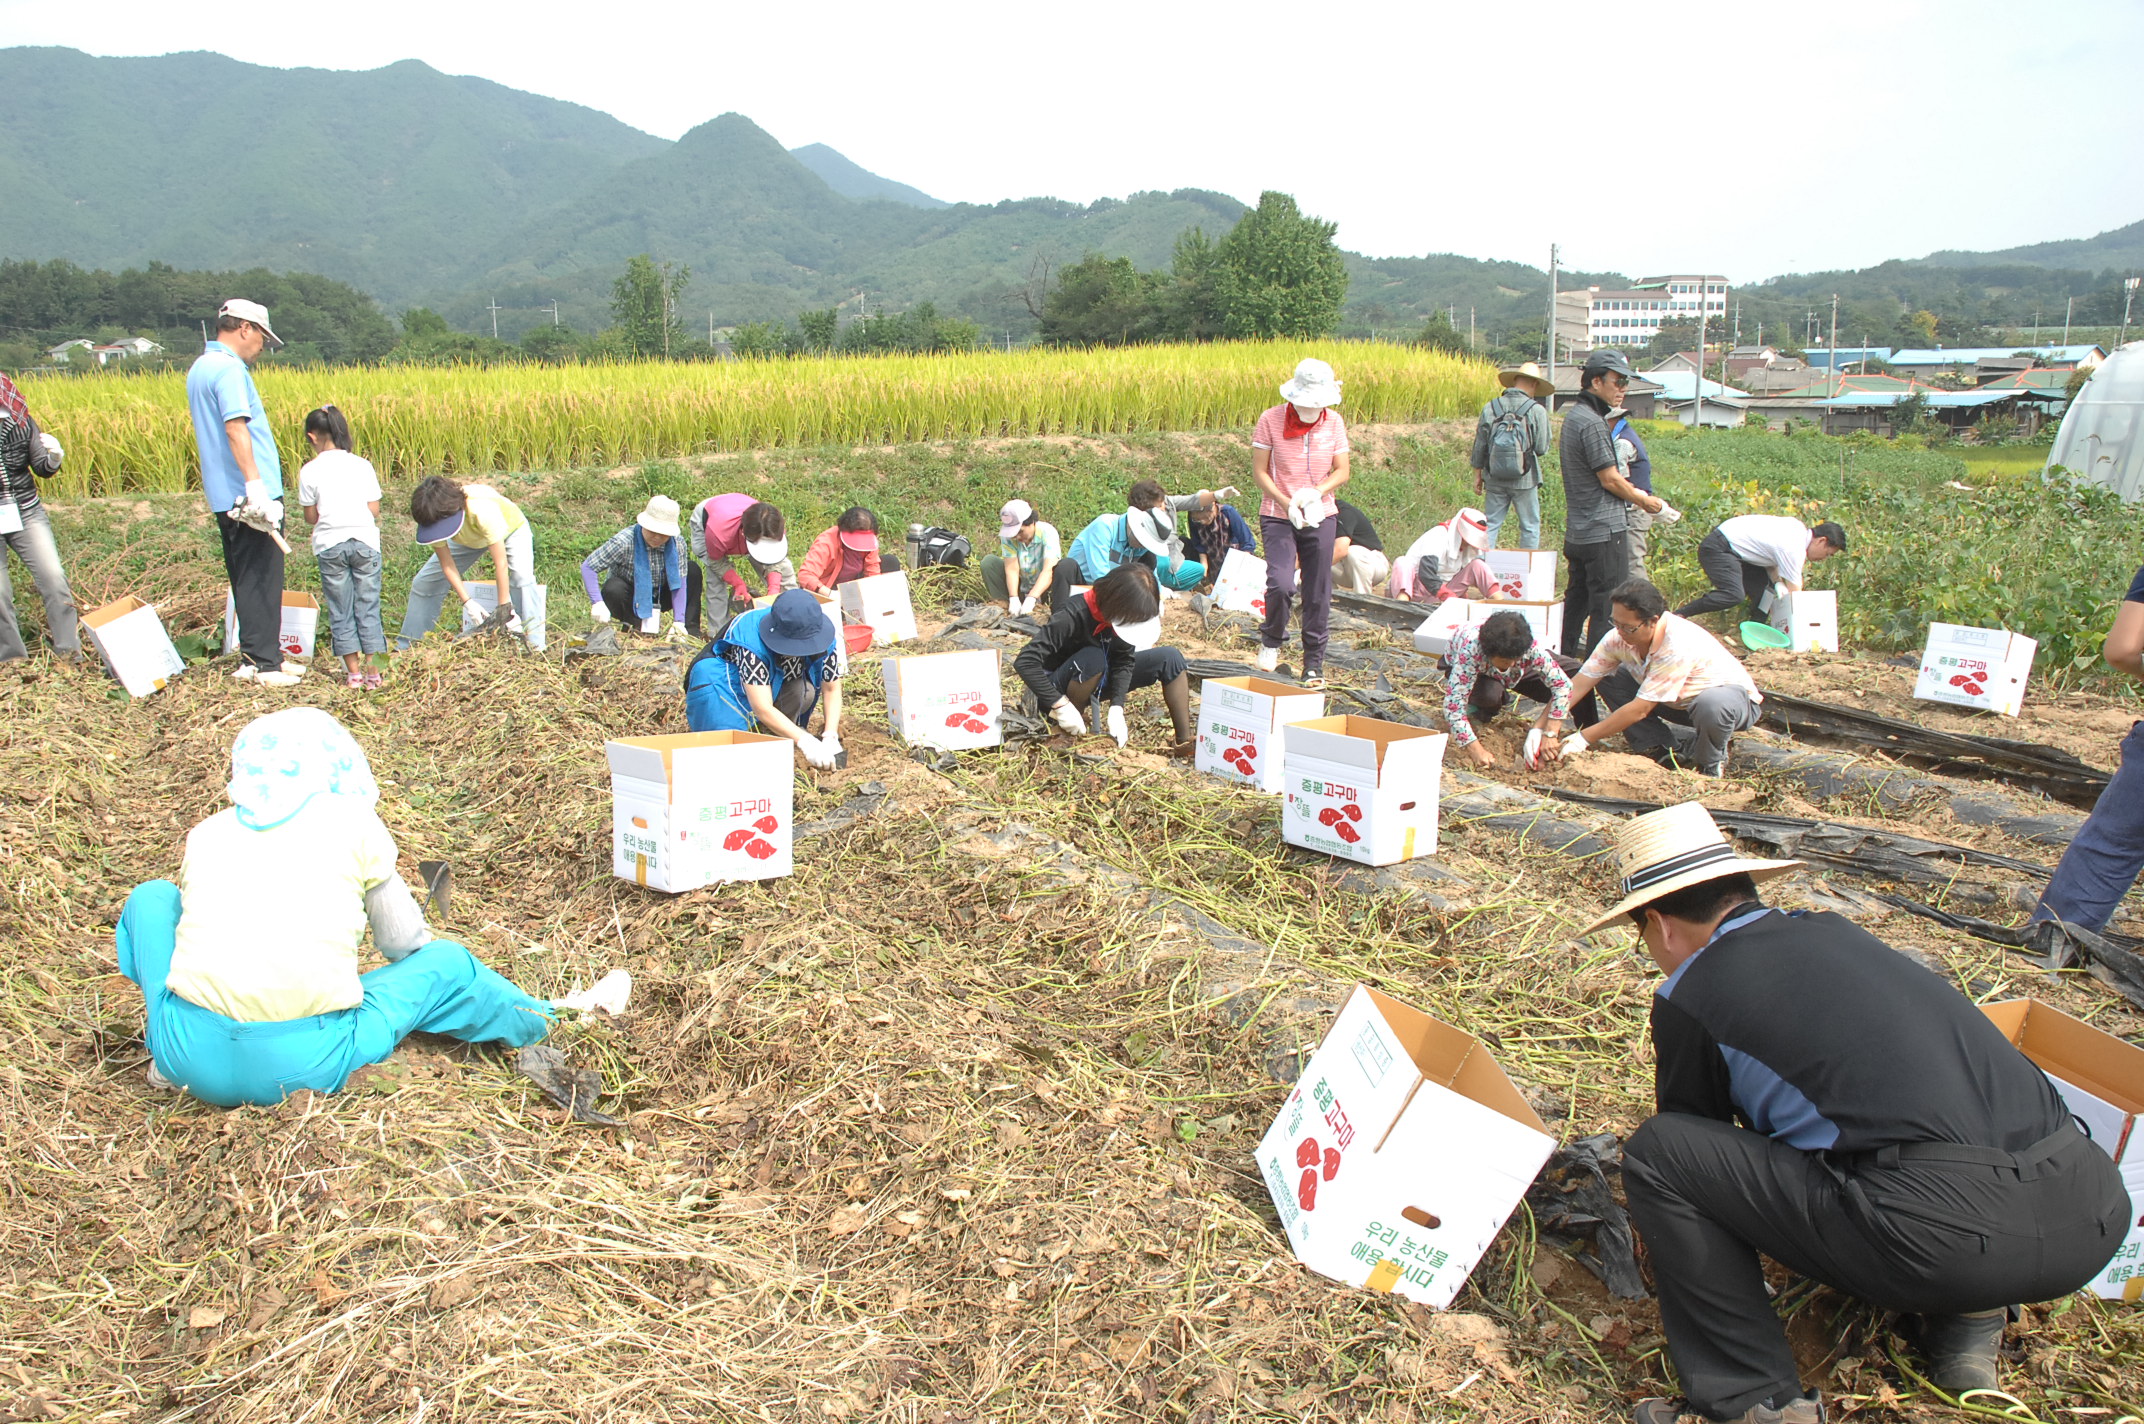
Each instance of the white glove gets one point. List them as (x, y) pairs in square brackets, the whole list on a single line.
[(599, 612), (53, 449), (1226, 492), (256, 492), (1115, 722), (832, 742), (1019, 608), (1303, 508), (815, 752), (1067, 717), (1668, 513), (470, 605), (1575, 743), (1532, 752)]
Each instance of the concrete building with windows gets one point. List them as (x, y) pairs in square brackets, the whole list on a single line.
[(1634, 316)]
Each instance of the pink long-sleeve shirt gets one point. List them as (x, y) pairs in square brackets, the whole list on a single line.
[(719, 519)]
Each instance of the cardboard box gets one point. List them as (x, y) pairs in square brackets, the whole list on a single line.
[(951, 701), (1975, 667), (1528, 574), (1240, 587), (882, 604), (1400, 1152), (1243, 723), (486, 594), (1811, 618), (2101, 1080), (1362, 789), (701, 808), (1434, 636), (131, 639), (299, 631)]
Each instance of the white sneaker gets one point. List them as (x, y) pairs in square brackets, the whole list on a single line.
[(1268, 659), (609, 994), (245, 672), (159, 1081), (295, 669), (277, 679)]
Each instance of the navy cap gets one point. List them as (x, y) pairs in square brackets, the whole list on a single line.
[(440, 529), (796, 626)]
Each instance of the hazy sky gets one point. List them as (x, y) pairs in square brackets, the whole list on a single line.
[(1677, 137)]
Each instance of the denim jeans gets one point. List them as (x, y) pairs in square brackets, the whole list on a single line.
[(350, 588), (1501, 500), (2103, 858), (40, 554), (429, 589)]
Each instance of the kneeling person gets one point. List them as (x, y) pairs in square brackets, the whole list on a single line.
[(767, 673), (1825, 1101), (1103, 640), (1673, 690), (1485, 666), (638, 569)]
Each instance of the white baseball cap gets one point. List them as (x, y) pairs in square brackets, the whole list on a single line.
[(1014, 517), (254, 312), (1141, 636)]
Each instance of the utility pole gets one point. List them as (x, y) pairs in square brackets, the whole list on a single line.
[(2129, 293), (710, 329), (1697, 416), (1833, 383), (1471, 344), (1554, 254), (494, 318), (2068, 307), (553, 309)]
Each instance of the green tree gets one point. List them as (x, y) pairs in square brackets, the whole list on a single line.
[(644, 306), (551, 343), (1101, 301), (1438, 335), (760, 340), (1191, 299), (420, 322), (1280, 273), (817, 331)]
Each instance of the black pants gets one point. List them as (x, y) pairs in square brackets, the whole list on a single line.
[(618, 598), (1732, 580), (254, 564), (1929, 1237), (1597, 570), (1062, 578)]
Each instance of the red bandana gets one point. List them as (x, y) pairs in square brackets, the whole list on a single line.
[(1293, 425)]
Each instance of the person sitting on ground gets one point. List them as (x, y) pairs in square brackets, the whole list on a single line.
[(768, 671), (638, 569), (1144, 533), (1021, 572), (1217, 528), (28, 455), (724, 529), (1446, 562), (1825, 1101), (1359, 562), (461, 524), (1754, 555), (1674, 692), (249, 964), (1489, 663), (845, 553), (1104, 639), (339, 492)]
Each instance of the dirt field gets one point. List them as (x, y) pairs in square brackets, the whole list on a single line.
[(953, 1124)]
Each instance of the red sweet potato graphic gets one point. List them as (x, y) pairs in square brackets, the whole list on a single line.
[(1332, 1163), (1306, 1191), (971, 724), (981, 709), (735, 839), (766, 825), (955, 719), (759, 850), (1306, 1152), (1351, 811), (1328, 815), (1346, 832)]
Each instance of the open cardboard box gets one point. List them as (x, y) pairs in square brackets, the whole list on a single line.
[(130, 637), (1528, 574), (1362, 789), (2101, 1080), (951, 701), (1243, 724), (882, 604), (701, 808), (1400, 1152), (1810, 618)]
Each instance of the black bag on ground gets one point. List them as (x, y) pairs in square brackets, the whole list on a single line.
[(943, 546)]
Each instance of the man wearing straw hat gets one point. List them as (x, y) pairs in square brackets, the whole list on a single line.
[(1827, 1102), (1509, 440)]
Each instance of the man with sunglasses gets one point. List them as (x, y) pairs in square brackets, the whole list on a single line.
[(1597, 499)]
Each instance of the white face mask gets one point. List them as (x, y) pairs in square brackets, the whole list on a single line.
[(1308, 414)]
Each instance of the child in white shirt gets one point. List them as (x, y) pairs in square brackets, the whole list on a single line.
[(340, 493)]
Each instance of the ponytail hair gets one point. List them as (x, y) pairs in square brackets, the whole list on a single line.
[(329, 421)]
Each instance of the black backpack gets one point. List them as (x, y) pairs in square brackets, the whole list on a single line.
[(943, 546)]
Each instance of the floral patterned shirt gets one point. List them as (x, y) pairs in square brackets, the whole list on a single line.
[(1468, 663)]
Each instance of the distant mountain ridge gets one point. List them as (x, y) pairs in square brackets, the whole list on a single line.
[(2120, 249), (851, 180)]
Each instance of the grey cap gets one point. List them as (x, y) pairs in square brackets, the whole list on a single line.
[(1607, 358)]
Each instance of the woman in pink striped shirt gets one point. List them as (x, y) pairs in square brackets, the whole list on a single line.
[(1299, 457)]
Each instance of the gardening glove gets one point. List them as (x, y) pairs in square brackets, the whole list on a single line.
[(52, 448), (1668, 513), (1067, 716), (1301, 508), (1226, 492), (599, 612), (832, 742), (256, 492), (815, 752), (1118, 731), (1018, 608), (1575, 744), (1532, 752)]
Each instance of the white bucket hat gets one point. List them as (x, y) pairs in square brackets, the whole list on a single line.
[(1313, 384), (660, 517), (1150, 529), (1672, 849)]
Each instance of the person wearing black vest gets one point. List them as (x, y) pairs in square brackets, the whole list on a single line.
[(1827, 1102)]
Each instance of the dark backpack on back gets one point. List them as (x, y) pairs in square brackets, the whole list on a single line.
[(1510, 443), (943, 546)]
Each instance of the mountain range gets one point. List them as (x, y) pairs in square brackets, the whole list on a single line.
[(457, 193)]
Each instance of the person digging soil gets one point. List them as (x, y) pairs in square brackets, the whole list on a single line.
[(1107, 634)]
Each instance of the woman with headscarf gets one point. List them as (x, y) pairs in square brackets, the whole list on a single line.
[(1299, 456), (766, 673), (27, 455), (249, 964), (1446, 562)]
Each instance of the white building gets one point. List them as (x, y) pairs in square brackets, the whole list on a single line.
[(1633, 317)]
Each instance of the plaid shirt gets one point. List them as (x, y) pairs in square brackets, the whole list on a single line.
[(1468, 664), (615, 555)]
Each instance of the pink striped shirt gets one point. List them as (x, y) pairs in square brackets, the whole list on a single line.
[(1301, 462)]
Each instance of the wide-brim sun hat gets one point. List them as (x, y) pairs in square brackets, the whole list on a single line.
[(1150, 530), (1015, 516), (660, 517), (767, 551), (796, 626), (1529, 375), (254, 312), (1472, 526), (1672, 849), (859, 541), (1312, 384)]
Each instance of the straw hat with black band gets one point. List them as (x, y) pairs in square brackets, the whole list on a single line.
[(1672, 849), (1529, 375)]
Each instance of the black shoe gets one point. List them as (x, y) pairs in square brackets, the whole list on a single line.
[(1963, 1351), (1802, 1409)]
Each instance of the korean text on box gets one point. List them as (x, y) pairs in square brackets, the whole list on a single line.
[(299, 629), (701, 808), (1240, 587), (1527, 574), (1243, 728), (1362, 789), (1400, 1152), (951, 701), (2101, 1080), (1984, 668), (882, 604), (131, 639)]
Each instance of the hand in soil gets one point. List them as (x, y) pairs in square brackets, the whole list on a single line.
[(1480, 755)]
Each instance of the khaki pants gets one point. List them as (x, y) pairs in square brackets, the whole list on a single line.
[(1635, 533), (1361, 571)]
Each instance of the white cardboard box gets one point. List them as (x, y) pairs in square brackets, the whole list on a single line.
[(1243, 728), (1811, 618), (1241, 585), (701, 808), (131, 639), (952, 701), (1400, 1152), (1434, 636), (2101, 1080), (1528, 574), (300, 627), (486, 594), (1975, 667), (1362, 789), (882, 604)]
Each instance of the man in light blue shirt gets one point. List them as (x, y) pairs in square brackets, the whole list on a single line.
[(242, 477)]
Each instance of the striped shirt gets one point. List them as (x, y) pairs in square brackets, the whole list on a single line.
[(1302, 462), (1683, 661)]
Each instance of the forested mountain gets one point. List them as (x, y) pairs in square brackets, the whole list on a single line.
[(2121, 249), (851, 180)]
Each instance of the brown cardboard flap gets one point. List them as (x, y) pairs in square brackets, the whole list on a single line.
[(2107, 1067), (1455, 1059), (1263, 687), (1369, 729), (683, 741), (111, 612)]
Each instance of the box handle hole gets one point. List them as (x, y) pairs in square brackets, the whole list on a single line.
[(1421, 1218), (1406, 805)]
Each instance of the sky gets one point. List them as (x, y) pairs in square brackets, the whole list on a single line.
[(1755, 141)]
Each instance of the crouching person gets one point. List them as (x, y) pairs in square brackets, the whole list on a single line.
[(1446, 562), (638, 569), (767, 672), (1827, 1102), (1672, 689), (248, 965), (1103, 641), (460, 524), (1485, 666)]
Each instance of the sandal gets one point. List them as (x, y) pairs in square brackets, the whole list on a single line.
[(374, 679), (355, 679)]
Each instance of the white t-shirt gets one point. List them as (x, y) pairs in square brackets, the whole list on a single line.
[(1772, 540), (341, 486)]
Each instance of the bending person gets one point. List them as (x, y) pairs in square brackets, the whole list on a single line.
[(724, 529), (768, 672), (1485, 666), (1747, 555), (845, 553), (1103, 641), (638, 569), (461, 524), (1672, 689), (1446, 562), (1359, 560), (248, 964), (1144, 533)]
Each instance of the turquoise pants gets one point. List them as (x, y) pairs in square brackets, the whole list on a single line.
[(440, 988)]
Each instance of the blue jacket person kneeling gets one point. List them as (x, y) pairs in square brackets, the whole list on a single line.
[(767, 672)]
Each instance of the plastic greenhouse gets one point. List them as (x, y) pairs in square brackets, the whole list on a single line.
[(2102, 434)]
